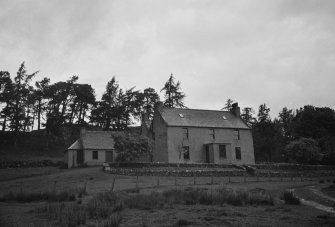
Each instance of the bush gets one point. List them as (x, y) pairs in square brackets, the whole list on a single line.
[(24, 197), (304, 150), (290, 198)]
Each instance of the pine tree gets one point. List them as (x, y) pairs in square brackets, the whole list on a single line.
[(173, 96)]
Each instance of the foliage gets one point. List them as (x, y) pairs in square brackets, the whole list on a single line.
[(267, 135), (247, 116), (129, 146), (24, 197), (229, 105), (303, 150), (173, 96), (290, 198)]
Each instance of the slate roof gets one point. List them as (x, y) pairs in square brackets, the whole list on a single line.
[(202, 118), (97, 140), (76, 145)]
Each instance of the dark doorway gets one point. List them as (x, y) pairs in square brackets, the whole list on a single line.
[(207, 153), (80, 156), (109, 156)]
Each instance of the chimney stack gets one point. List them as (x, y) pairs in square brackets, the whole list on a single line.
[(82, 132), (159, 106), (236, 109)]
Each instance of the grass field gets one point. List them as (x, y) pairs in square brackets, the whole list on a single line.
[(40, 180)]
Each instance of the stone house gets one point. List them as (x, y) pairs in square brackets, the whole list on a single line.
[(201, 136), (92, 148)]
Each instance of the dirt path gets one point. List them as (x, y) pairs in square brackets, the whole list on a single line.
[(313, 196)]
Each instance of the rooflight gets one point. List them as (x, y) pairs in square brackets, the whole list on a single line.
[(224, 117), (181, 115)]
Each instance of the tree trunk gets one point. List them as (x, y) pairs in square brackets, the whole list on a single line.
[(39, 115)]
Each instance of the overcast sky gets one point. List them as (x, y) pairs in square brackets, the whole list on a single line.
[(281, 53)]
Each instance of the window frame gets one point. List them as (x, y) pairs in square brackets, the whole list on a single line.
[(237, 134), (212, 133), (225, 151), (185, 133), (95, 155), (238, 153), (186, 153)]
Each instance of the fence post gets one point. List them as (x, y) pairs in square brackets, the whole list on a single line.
[(245, 179), (229, 179), (113, 183), (194, 180), (175, 180), (158, 181), (269, 176), (212, 180), (137, 181), (55, 186)]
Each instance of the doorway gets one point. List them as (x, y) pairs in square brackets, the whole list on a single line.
[(207, 153), (80, 156)]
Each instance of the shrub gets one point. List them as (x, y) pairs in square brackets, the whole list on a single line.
[(304, 150), (290, 198), (24, 197)]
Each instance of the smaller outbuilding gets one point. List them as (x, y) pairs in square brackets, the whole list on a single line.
[(92, 148)]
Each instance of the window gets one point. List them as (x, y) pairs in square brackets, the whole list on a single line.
[(237, 134), (211, 134), (186, 151), (222, 151), (238, 153), (185, 133), (94, 155)]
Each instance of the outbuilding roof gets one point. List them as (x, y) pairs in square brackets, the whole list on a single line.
[(76, 145), (202, 118), (95, 140)]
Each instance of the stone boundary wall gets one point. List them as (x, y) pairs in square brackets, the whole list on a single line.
[(29, 164)]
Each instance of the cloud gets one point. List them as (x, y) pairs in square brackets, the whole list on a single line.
[(278, 52)]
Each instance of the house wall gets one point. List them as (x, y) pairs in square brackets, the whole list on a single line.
[(160, 135), (200, 136), (71, 158), (88, 157)]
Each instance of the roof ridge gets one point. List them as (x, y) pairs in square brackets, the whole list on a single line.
[(224, 111)]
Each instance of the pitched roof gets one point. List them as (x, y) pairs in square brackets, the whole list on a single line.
[(76, 145), (202, 118), (97, 140)]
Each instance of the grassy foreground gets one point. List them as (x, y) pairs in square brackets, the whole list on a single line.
[(83, 197)]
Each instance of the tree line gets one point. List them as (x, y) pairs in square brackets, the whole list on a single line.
[(25, 107), (305, 135)]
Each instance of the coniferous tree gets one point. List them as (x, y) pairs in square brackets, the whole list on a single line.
[(150, 97), (173, 96), (247, 116), (229, 105), (6, 97)]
